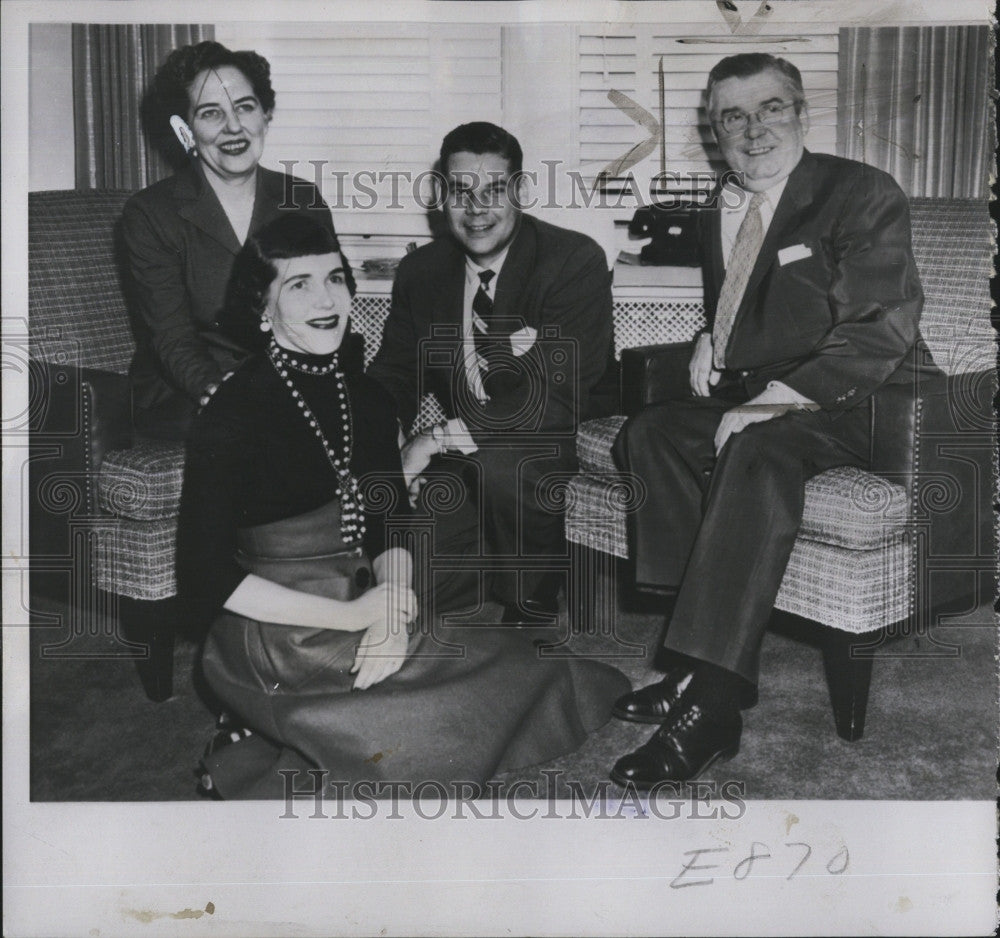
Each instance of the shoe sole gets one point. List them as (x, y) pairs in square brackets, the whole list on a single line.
[(723, 755)]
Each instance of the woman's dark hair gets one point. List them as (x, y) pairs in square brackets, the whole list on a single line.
[(254, 270), (168, 92)]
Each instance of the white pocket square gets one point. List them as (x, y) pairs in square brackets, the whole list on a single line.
[(795, 252), (522, 340)]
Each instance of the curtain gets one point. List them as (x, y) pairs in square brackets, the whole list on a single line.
[(112, 68), (915, 102)]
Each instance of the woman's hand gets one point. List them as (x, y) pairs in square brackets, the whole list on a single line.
[(382, 650), (382, 603)]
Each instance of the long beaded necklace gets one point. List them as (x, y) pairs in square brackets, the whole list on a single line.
[(352, 519)]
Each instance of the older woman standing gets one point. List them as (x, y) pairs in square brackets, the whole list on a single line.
[(183, 233), (293, 481)]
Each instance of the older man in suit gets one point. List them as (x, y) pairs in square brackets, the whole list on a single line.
[(813, 303), (508, 322)]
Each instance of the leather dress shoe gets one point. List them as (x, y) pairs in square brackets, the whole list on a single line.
[(683, 748), (530, 613), (654, 703)]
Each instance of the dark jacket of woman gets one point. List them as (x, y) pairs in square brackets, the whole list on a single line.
[(181, 249)]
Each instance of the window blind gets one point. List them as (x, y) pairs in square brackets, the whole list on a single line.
[(628, 61), (366, 101)]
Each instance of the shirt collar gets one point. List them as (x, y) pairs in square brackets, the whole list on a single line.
[(772, 195), (473, 270)]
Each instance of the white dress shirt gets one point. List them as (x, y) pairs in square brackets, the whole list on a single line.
[(732, 218)]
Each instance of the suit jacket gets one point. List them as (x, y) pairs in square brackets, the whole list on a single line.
[(181, 249), (840, 317), (553, 281)]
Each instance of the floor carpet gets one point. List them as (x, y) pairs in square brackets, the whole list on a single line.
[(931, 728)]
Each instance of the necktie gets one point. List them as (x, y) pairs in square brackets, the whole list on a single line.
[(745, 250), (482, 314)]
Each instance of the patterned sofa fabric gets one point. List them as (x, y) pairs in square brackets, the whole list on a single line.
[(78, 316)]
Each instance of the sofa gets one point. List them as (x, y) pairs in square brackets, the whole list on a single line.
[(104, 503)]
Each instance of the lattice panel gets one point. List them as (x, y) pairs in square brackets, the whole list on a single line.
[(637, 322), (650, 322), (368, 315)]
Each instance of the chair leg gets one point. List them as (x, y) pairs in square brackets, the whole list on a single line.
[(849, 679), (582, 595), (152, 623), (592, 601)]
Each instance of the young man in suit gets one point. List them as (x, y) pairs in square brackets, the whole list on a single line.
[(813, 303), (508, 322)]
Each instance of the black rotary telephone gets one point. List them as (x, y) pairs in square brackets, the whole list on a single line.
[(671, 225)]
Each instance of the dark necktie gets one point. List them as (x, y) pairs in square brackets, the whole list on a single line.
[(487, 345), (745, 250)]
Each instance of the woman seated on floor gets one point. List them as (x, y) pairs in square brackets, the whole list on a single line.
[(293, 481)]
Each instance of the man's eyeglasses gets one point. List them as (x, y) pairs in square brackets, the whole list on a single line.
[(735, 122)]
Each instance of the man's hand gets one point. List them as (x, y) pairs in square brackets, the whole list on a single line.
[(703, 375), (776, 399), (416, 454)]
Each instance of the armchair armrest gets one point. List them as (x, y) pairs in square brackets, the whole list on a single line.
[(78, 415), (654, 373), (92, 403), (110, 399), (902, 414), (955, 488), (894, 410)]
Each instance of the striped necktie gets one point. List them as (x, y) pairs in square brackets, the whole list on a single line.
[(741, 262), (482, 314)]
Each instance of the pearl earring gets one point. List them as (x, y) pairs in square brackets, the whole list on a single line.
[(265, 325)]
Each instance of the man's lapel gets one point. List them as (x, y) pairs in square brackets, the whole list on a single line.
[(717, 263), (453, 292), (514, 273), (197, 203), (444, 304)]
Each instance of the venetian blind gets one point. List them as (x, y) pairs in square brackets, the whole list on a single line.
[(628, 61), (371, 100)]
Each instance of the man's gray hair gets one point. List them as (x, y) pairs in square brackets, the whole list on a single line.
[(748, 64)]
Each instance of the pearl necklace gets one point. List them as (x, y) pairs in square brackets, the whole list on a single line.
[(276, 351), (352, 523)]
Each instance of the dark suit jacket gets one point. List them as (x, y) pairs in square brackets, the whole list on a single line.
[(841, 322), (554, 281), (181, 249)]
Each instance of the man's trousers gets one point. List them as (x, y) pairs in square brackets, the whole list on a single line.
[(720, 530)]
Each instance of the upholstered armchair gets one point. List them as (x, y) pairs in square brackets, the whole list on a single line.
[(101, 502), (878, 552)]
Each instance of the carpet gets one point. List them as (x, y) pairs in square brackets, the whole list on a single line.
[(931, 728)]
